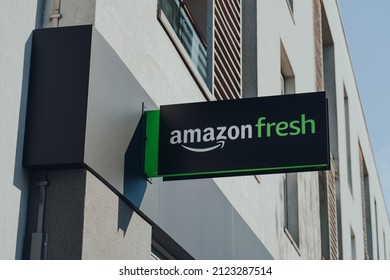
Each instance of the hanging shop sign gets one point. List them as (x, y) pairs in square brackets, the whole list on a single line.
[(275, 134)]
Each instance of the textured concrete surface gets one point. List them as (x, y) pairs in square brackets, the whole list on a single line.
[(111, 229)]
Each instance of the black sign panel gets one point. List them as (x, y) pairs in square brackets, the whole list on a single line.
[(275, 134)]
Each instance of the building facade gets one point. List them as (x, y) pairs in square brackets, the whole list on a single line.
[(73, 95)]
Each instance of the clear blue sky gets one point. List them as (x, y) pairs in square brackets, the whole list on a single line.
[(367, 28)]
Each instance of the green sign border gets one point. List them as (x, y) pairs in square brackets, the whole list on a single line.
[(151, 157), (250, 171), (151, 145)]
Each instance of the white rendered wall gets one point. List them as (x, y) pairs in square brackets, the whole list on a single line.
[(17, 21), (351, 201), (261, 204), (134, 32)]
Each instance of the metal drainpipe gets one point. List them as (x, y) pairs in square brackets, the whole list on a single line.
[(56, 15), (38, 250)]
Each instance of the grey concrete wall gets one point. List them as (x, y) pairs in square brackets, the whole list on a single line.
[(111, 229), (84, 219), (63, 213)]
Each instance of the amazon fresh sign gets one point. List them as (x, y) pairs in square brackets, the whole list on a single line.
[(262, 135)]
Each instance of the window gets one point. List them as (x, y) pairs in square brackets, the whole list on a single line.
[(328, 80), (291, 4), (291, 215), (180, 24), (287, 78), (291, 210), (366, 207), (377, 229), (384, 246), (353, 245), (193, 25), (348, 139)]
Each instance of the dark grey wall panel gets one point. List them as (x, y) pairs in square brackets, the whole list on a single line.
[(64, 213), (83, 106), (57, 98)]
